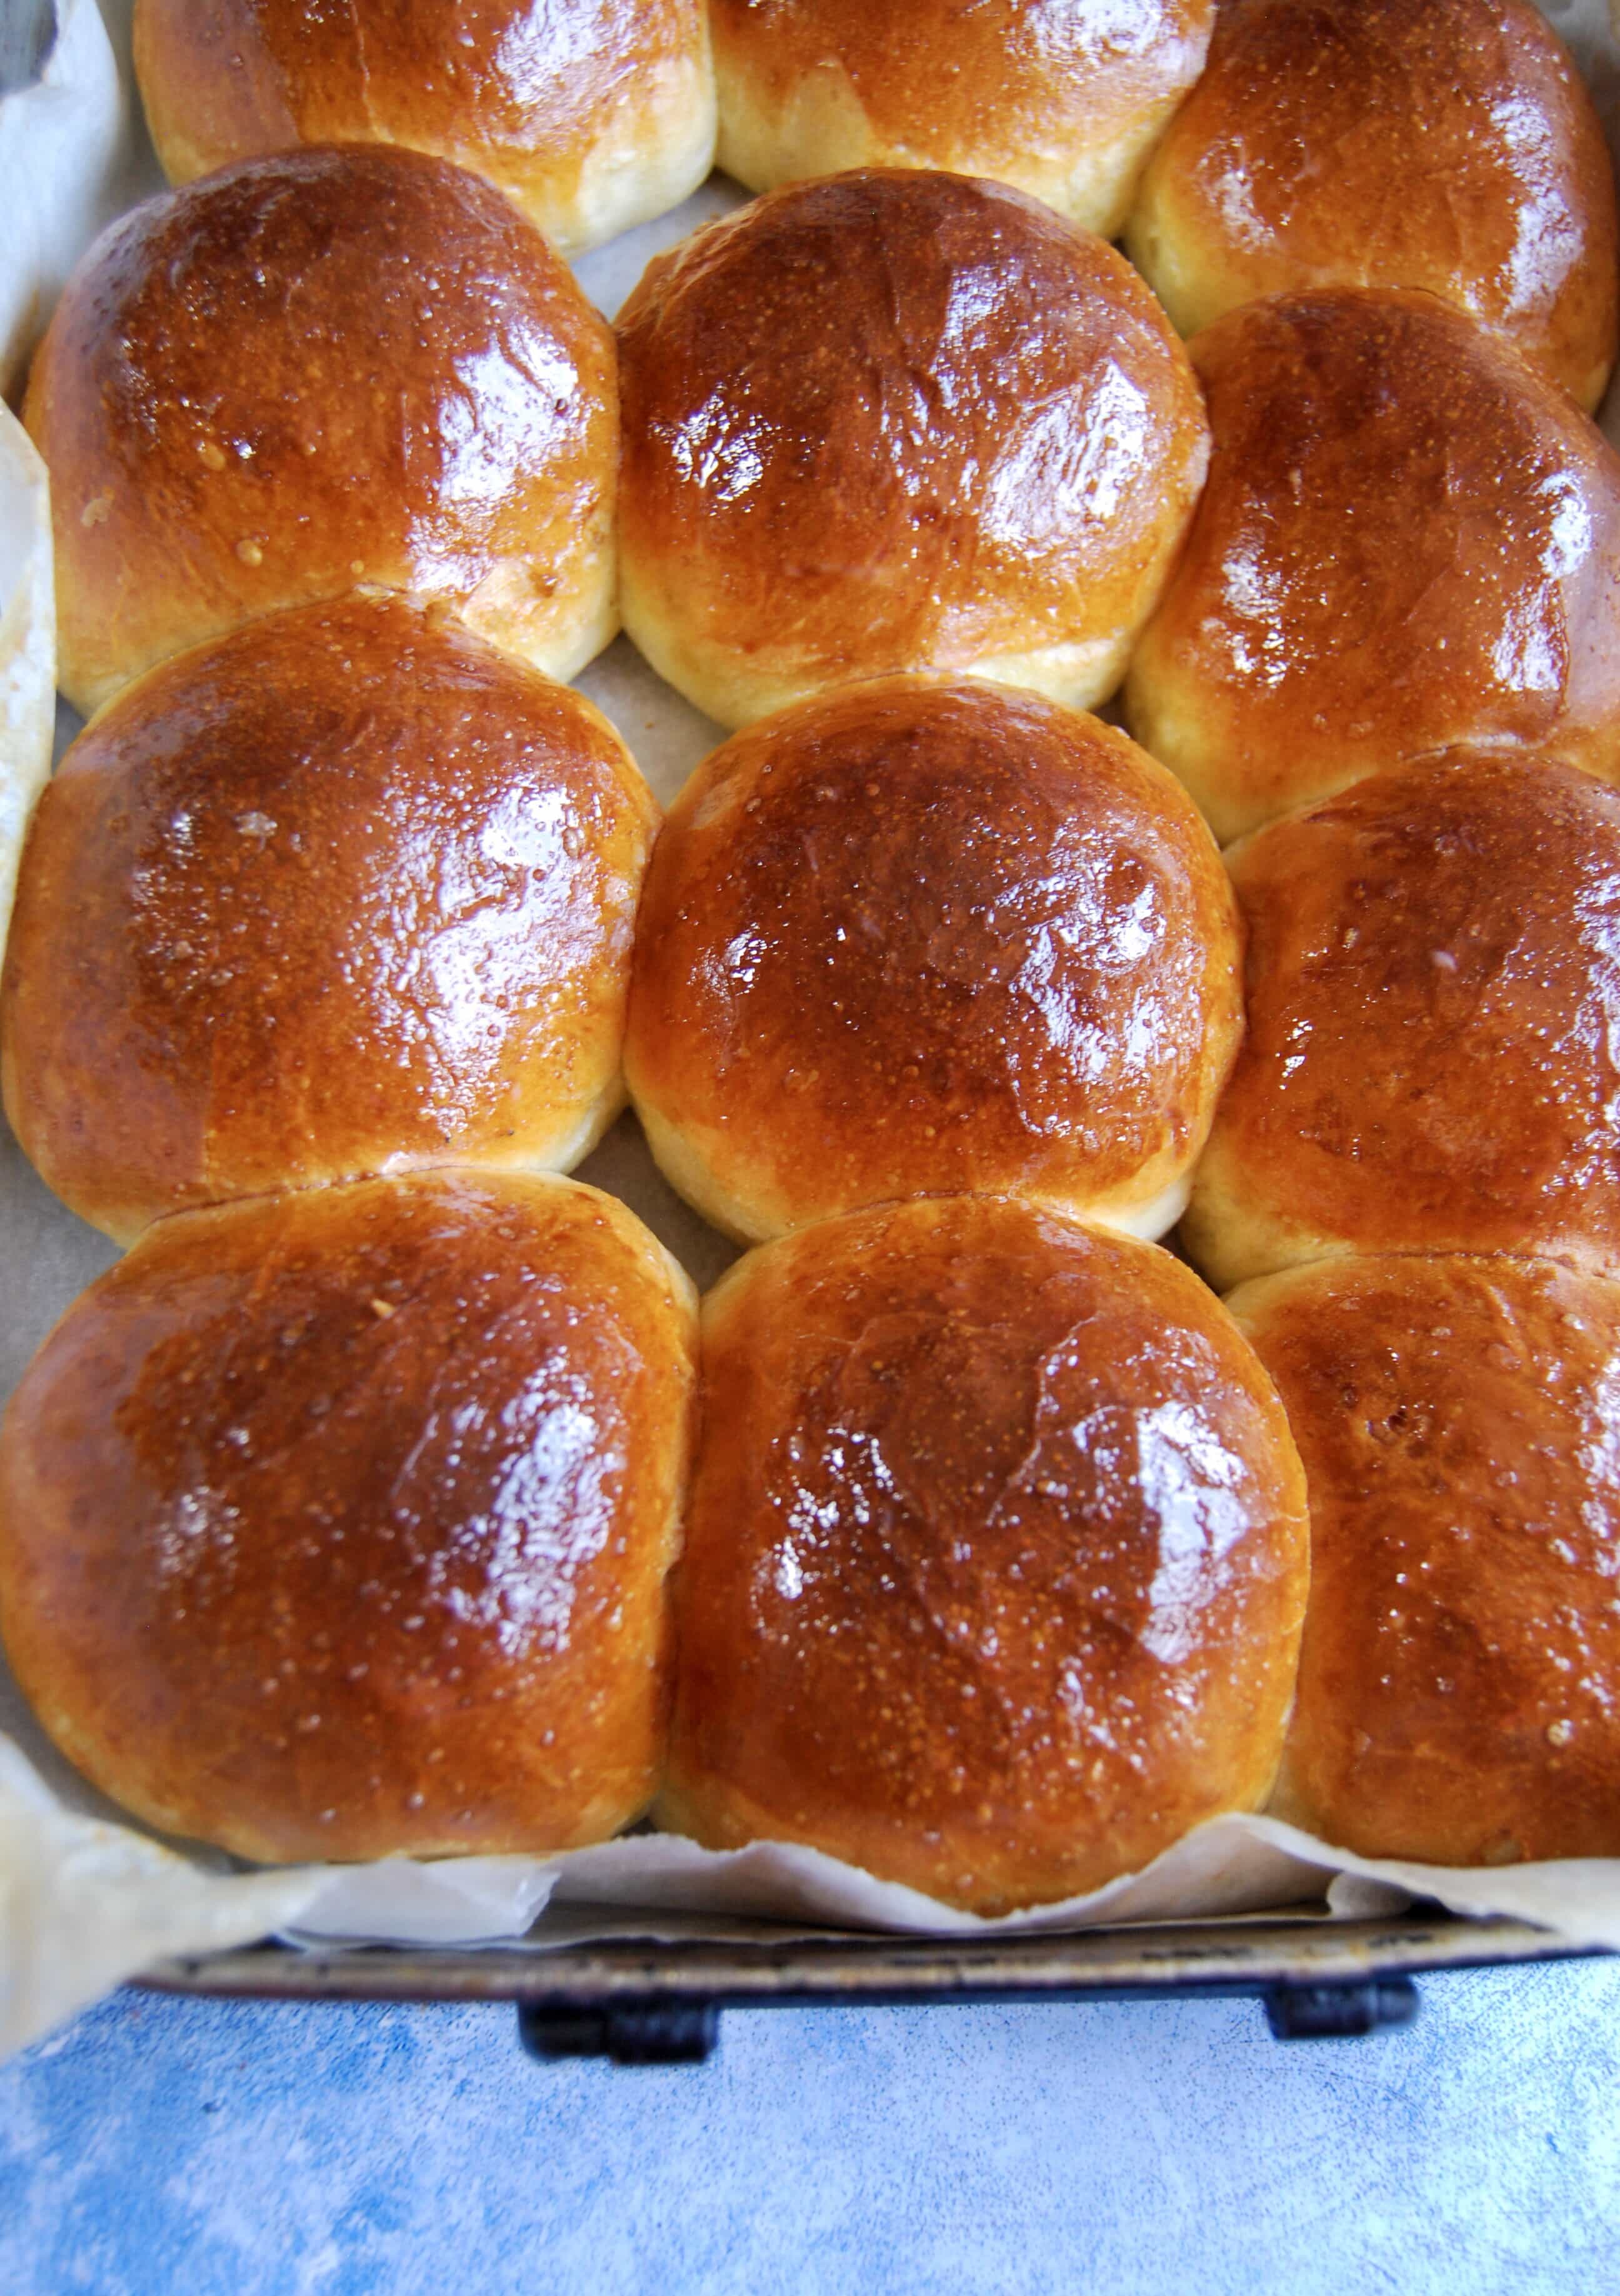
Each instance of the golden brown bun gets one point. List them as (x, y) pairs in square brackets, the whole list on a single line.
[(592, 115), (336, 1525), (1433, 982), (919, 937), (1409, 542), (313, 373), (1459, 1679), (897, 421), (1446, 145), (347, 891), (1063, 99), (995, 1559)]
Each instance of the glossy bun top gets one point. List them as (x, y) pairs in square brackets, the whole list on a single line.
[(316, 373), (1062, 98), (1433, 997), (1459, 1679), (592, 115), (920, 936), (897, 421), (1409, 542), (346, 891), (1446, 145), (995, 1559), (336, 1525)]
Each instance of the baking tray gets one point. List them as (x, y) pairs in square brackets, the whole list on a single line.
[(659, 2001), (655, 2002)]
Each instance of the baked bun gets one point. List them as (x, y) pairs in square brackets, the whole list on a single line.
[(318, 373), (897, 421), (917, 937), (1064, 100), (1446, 145), (347, 891), (337, 1525), (592, 115), (1434, 977), (1409, 542), (1459, 1680), (995, 1559)]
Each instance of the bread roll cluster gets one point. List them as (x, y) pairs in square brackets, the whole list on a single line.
[(389, 1496)]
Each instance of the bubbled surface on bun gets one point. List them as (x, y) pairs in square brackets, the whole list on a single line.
[(346, 891), (897, 421), (592, 115), (921, 936), (1460, 1677), (337, 1525), (1445, 144), (310, 374), (995, 1559), (1409, 542), (1062, 98), (1434, 992)]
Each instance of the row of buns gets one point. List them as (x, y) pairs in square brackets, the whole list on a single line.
[(889, 421), (1276, 128), (379, 1519)]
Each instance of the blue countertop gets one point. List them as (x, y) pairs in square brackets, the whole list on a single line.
[(161, 2145)]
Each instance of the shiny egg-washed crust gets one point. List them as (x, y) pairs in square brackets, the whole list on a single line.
[(897, 421), (1445, 144), (1409, 542), (921, 936), (1434, 1003), (347, 891), (1062, 98), (996, 1556), (337, 1525), (1458, 1696), (592, 115), (316, 373)]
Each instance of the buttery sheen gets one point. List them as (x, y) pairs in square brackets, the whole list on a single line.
[(995, 1559), (316, 373), (346, 891), (897, 421), (1458, 1696), (1434, 1025), (1409, 542), (336, 1526), (922, 937)]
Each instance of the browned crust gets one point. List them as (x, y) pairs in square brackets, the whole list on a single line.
[(1446, 145), (1408, 543), (995, 1558), (894, 421), (312, 372), (1459, 1677), (345, 891), (920, 936), (1433, 979), (336, 1526)]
